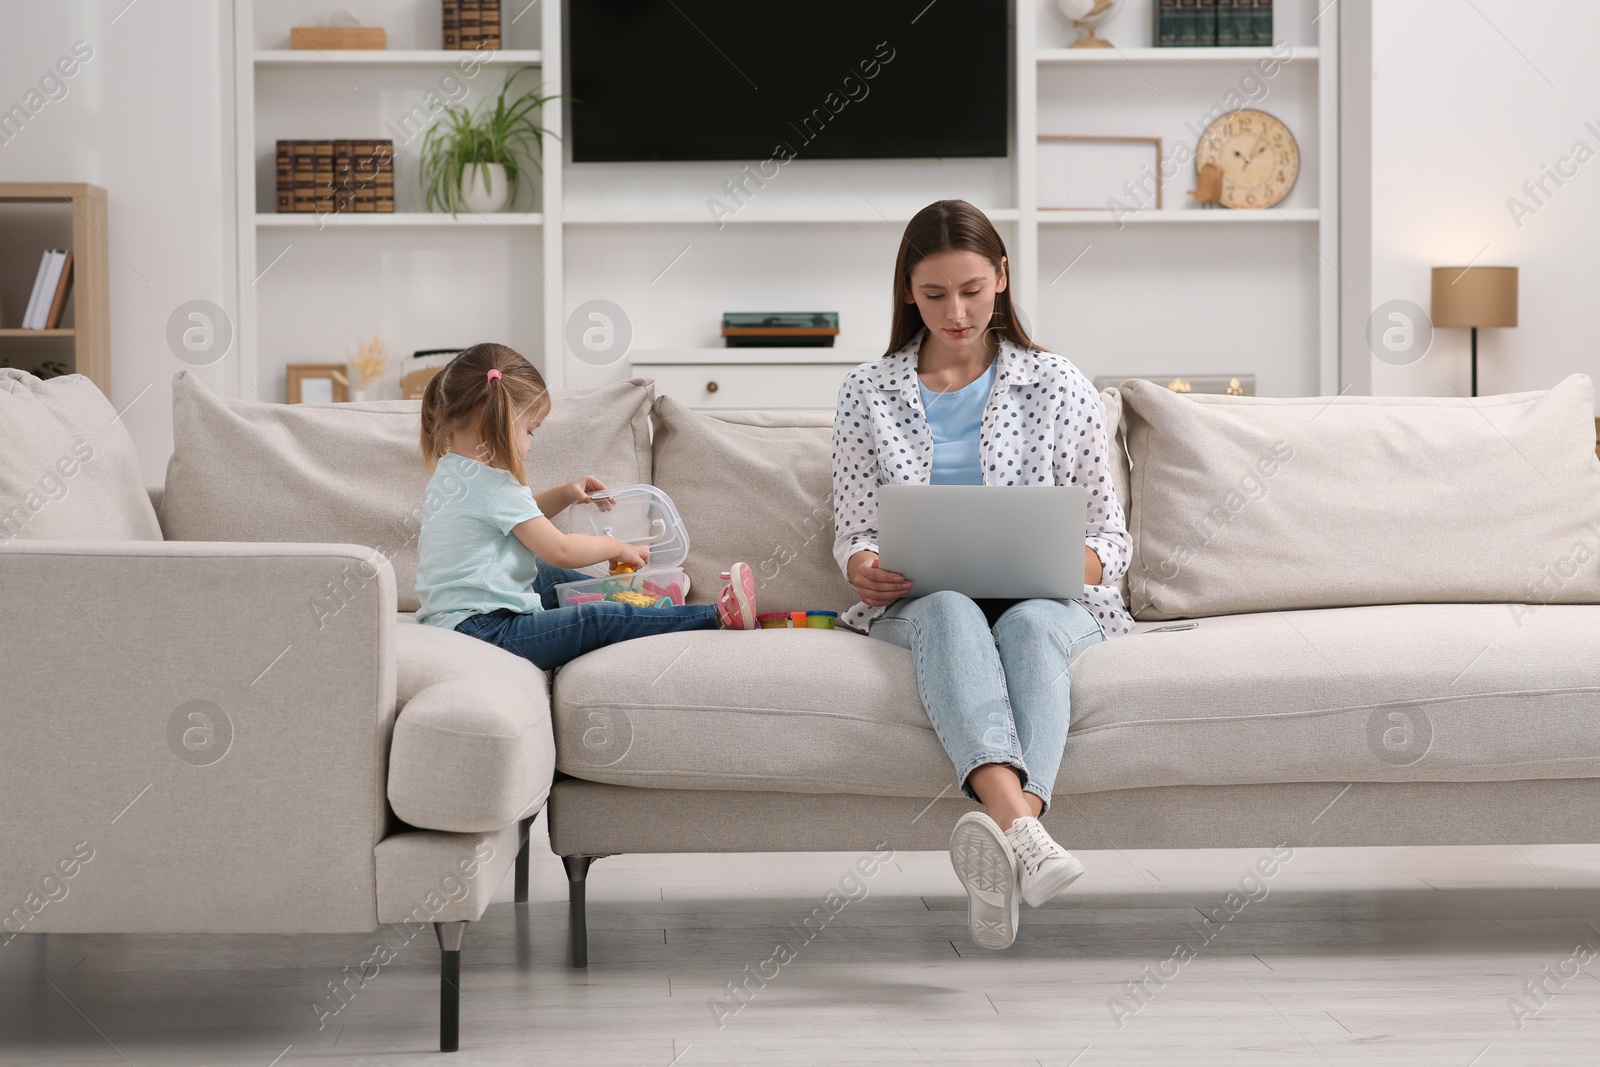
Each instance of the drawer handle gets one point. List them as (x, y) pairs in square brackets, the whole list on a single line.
[(711, 387)]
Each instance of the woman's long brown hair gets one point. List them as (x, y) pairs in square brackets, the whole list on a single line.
[(950, 226), (464, 396)]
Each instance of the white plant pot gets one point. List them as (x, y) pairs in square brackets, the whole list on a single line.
[(485, 196)]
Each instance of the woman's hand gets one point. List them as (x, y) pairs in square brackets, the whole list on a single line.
[(1093, 571), (877, 587)]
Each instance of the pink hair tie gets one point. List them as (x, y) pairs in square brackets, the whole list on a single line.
[(493, 374)]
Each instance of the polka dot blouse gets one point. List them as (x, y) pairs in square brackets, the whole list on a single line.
[(1044, 425)]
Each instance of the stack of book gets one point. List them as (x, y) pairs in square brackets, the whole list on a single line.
[(50, 288), (1213, 23), (471, 24), (332, 176)]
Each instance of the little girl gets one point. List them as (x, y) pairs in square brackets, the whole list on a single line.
[(490, 558)]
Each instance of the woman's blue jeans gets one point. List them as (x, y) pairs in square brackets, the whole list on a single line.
[(554, 637), (993, 677)]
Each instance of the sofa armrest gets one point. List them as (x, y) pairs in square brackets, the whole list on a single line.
[(473, 748), (208, 722)]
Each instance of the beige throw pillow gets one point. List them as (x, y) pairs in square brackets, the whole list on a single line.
[(1244, 504), (68, 468), (755, 486), (245, 470)]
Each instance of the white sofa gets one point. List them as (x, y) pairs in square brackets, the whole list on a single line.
[(1377, 661), (229, 713), (1398, 644)]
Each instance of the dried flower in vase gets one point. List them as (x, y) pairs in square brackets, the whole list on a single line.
[(371, 361)]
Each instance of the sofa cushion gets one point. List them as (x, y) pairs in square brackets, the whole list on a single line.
[(68, 469), (471, 749), (1391, 693), (1384, 693), (245, 470), (1245, 504), (1116, 439), (802, 711), (758, 487)]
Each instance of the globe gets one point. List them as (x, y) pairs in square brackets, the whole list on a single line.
[(1088, 15)]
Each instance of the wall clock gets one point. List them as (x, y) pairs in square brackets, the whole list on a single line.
[(1246, 159)]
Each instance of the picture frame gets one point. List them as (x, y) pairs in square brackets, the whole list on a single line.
[(1086, 173), (317, 383)]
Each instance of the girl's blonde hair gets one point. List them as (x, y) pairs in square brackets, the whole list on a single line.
[(486, 386)]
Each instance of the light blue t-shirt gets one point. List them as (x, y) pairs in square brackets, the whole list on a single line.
[(468, 560), (954, 420)]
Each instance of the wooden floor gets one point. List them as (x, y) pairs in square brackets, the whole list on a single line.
[(1352, 956)]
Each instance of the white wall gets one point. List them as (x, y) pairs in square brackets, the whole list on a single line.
[(143, 118), (1466, 107)]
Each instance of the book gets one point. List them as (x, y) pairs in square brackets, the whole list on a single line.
[(1205, 34), (38, 283), (343, 176), (489, 24), (452, 24), (323, 189), (1165, 31), (471, 24), (1227, 25), (365, 168), (1262, 23), (1188, 23), (384, 154), (58, 303), (285, 172), (47, 281), (305, 175)]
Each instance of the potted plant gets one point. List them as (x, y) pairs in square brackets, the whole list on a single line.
[(476, 160)]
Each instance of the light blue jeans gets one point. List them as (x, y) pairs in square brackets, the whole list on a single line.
[(993, 677)]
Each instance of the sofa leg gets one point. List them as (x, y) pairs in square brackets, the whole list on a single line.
[(450, 935), (577, 912), (521, 894)]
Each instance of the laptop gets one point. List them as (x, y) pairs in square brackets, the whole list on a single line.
[(1002, 541)]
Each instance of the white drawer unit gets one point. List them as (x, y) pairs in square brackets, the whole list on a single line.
[(737, 379)]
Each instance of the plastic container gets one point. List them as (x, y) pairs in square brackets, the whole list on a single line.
[(643, 516)]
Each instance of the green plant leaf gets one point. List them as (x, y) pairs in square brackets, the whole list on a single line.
[(500, 131)]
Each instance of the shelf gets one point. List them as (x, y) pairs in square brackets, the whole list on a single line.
[(296, 57), (269, 220), (63, 332), (1181, 217), (1136, 56), (746, 356), (702, 217)]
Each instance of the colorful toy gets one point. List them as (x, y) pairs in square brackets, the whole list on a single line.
[(783, 620), (619, 567), (637, 599)]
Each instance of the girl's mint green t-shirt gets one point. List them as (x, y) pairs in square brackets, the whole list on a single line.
[(469, 562)]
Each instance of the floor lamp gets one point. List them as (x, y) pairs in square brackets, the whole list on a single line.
[(1472, 297)]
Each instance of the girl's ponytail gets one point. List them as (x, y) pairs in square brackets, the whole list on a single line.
[(486, 387)]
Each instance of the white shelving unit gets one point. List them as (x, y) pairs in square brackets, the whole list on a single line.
[(1182, 290), (414, 57)]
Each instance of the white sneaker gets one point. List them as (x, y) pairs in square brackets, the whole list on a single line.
[(987, 867), (1045, 868)]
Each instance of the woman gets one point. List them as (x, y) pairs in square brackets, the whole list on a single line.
[(964, 398)]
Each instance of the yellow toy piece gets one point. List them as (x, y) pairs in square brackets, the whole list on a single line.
[(619, 567), (638, 600)]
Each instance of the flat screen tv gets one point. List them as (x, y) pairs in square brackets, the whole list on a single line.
[(751, 80)]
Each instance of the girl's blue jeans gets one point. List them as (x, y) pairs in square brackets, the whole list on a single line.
[(556, 636), (993, 677)]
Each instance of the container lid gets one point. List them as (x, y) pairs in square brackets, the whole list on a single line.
[(641, 515)]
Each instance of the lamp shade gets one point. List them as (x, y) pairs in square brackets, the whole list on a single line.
[(1474, 296)]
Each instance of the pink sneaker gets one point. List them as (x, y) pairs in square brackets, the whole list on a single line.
[(736, 604)]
